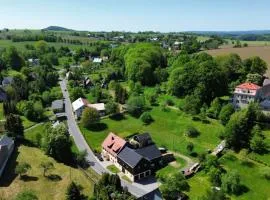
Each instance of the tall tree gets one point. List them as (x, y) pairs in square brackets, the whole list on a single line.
[(14, 125), (90, 117)]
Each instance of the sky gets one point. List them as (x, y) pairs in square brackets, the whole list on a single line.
[(137, 15)]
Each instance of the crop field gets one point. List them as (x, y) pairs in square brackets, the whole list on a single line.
[(246, 52)]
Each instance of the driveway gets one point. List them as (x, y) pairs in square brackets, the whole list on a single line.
[(136, 189)]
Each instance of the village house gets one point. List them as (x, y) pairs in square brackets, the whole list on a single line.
[(97, 60), (137, 159), (244, 94), (58, 107), (112, 146), (79, 105), (33, 61), (6, 149)]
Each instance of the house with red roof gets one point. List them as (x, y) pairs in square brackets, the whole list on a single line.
[(245, 93), (112, 146)]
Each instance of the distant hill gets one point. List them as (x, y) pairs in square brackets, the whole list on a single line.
[(56, 28), (232, 33)]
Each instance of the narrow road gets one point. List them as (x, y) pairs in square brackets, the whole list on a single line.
[(134, 188), (76, 133)]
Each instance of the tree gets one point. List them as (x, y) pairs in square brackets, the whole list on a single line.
[(90, 117), (255, 78), (146, 118), (46, 166), (192, 104), (173, 185), (57, 144), (236, 131), (190, 147), (231, 182), (226, 113), (192, 132), (22, 168), (74, 192), (120, 94), (112, 108), (257, 142), (76, 93), (214, 109), (81, 158), (26, 195), (13, 59), (255, 65), (41, 46), (215, 176), (136, 105), (14, 125)]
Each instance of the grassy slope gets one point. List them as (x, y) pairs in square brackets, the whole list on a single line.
[(44, 188), (167, 129), (1, 111)]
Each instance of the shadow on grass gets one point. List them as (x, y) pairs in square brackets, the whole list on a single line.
[(54, 177), (9, 174), (98, 127), (242, 189), (27, 178), (118, 117), (247, 163)]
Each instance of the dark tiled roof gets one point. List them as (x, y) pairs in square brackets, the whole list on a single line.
[(3, 95), (5, 141), (130, 157), (58, 104), (150, 152)]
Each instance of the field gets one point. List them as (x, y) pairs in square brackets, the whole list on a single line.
[(167, 130), (43, 187), (261, 51)]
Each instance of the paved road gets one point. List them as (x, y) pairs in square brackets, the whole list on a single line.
[(76, 133), (136, 189)]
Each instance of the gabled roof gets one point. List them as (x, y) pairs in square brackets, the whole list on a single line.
[(130, 157), (113, 144), (266, 82), (79, 103), (150, 152), (58, 104), (248, 86), (97, 106), (6, 141)]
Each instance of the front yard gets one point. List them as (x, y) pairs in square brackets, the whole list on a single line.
[(42, 186)]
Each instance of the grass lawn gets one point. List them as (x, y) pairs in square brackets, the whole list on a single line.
[(1, 112), (113, 169), (126, 179), (27, 123), (167, 130), (250, 174), (44, 188)]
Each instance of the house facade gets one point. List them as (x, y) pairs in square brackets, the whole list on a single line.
[(137, 159), (6, 149), (245, 94), (78, 107)]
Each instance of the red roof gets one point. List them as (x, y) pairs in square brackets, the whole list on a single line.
[(248, 86), (113, 144)]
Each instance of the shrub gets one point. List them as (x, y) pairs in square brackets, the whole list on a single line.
[(192, 132), (146, 118)]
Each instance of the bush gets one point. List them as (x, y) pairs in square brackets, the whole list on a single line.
[(169, 102), (136, 105), (26, 195), (146, 118), (192, 132)]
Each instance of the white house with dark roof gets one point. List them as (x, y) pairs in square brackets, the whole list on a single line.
[(78, 106)]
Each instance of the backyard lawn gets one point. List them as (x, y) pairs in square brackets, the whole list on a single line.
[(113, 169), (43, 187), (167, 130)]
